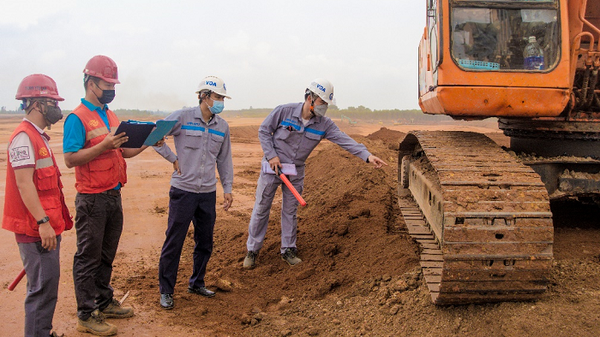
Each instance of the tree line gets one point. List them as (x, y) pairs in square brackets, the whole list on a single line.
[(355, 114), (350, 114)]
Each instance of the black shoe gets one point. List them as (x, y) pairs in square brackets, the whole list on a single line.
[(201, 291), (166, 301)]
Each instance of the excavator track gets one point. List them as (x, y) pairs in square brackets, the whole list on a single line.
[(483, 219)]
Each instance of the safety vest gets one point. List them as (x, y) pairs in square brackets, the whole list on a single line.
[(107, 170), (46, 178)]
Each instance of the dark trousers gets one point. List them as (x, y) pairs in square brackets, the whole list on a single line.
[(99, 223), (186, 207), (42, 268)]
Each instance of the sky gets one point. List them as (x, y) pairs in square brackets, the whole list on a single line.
[(266, 51)]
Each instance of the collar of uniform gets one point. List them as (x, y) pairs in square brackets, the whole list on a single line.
[(212, 119), (298, 111), (92, 107), (38, 129), (298, 114), (198, 114)]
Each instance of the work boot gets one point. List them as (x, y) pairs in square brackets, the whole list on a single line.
[(115, 310), (250, 259), (289, 256), (96, 325), (203, 291), (166, 301)]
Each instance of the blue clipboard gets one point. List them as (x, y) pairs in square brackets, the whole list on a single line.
[(162, 129), (144, 133)]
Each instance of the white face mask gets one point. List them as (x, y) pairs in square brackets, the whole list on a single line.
[(320, 110)]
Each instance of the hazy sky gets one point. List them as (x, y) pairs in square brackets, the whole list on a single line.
[(266, 51)]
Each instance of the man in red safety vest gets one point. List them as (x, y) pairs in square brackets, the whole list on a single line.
[(90, 145), (34, 204)]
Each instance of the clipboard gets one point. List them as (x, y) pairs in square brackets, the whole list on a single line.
[(162, 129), (144, 133)]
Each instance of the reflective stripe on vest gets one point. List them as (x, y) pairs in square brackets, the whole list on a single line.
[(96, 133), (44, 162)]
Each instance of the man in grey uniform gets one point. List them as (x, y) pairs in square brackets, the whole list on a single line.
[(201, 140), (288, 136)]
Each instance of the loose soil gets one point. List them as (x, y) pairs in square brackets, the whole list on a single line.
[(359, 275)]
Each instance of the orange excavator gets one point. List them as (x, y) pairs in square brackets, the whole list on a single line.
[(482, 212)]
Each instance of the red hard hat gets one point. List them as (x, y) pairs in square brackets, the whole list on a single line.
[(38, 85), (102, 67)]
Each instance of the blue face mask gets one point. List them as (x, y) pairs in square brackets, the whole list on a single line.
[(217, 107)]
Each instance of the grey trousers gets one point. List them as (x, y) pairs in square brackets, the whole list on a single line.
[(99, 223), (265, 192), (43, 273)]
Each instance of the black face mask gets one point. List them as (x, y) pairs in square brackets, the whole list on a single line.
[(53, 114), (107, 95)]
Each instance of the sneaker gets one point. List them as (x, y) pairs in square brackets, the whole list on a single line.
[(115, 310), (96, 325), (166, 301), (289, 256), (250, 259), (201, 291)]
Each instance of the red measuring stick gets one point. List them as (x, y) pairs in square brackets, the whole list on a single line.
[(14, 283), (287, 183)]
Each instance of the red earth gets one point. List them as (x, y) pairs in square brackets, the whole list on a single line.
[(359, 275)]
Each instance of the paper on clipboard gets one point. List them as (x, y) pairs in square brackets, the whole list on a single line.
[(287, 169)]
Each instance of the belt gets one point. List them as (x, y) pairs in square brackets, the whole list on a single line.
[(114, 193)]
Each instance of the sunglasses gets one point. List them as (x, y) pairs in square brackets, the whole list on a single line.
[(51, 102)]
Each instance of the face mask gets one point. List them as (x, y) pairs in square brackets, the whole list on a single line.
[(53, 114), (107, 95), (320, 110), (217, 107)]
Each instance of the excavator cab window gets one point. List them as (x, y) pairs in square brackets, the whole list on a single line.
[(505, 35)]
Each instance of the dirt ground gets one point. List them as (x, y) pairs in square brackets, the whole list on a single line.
[(359, 275)]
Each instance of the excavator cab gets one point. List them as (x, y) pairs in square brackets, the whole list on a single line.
[(474, 62), (533, 64)]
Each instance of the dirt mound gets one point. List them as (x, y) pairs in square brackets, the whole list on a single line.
[(349, 236), (387, 135), (390, 137), (244, 133)]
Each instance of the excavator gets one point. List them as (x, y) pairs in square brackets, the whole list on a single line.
[(481, 212)]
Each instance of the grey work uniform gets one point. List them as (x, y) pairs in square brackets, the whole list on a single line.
[(200, 145), (283, 134)]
